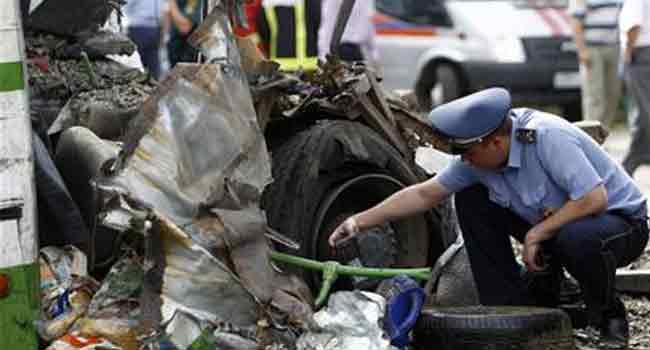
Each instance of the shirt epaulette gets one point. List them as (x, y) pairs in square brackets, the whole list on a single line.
[(528, 136)]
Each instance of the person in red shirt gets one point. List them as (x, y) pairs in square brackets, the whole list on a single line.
[(251, 9)]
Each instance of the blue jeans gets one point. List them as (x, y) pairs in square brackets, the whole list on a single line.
[(590, 249)]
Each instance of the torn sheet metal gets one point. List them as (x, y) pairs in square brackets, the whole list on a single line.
[(195, 160), (183, 276), (194, 144), (351, 321)]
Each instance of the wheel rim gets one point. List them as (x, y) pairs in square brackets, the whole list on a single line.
[(383, 246)]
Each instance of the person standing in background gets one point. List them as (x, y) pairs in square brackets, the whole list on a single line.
[(288, 32), (144, 28), (184, 15), (596, 38), (251, 9), (634, 27), (358, 41)]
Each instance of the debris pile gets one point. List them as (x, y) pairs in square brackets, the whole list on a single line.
[(77, 77)]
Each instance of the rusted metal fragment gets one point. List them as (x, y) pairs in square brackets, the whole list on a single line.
[(633, 281), (374, 116)]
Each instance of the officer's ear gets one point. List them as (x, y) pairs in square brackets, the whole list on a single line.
[(499, 140)]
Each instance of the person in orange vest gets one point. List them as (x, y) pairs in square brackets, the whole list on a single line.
[(288, 32)]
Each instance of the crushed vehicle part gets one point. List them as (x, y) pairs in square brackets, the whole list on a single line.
[(58, 214), (193, 105), (68, 18), (211, 191), (183, 276), (452, 281), (79, 157), (328, 171), (350, 321)]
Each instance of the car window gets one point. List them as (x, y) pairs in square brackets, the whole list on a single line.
[(425, 12)]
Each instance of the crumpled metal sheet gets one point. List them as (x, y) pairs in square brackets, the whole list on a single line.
[(183, 276), (195, 144), (350, 322), (195, 160)]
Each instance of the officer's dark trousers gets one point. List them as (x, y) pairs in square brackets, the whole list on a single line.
[(590, 249), (147, 39)]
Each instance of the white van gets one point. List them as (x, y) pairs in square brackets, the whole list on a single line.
[(444, 49)]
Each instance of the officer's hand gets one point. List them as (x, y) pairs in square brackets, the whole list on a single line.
[(532, 256), (345, 231)]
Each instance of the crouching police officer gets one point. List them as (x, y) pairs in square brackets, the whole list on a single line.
[(538, 178)]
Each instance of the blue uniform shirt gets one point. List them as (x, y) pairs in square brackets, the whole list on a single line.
[(564, 163)]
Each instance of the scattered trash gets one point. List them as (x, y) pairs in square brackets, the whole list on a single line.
[(66, 290), (351, 321), (76, 342)]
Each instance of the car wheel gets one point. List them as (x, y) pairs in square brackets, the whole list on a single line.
[(493, 327), (444, 86), (332, 170)]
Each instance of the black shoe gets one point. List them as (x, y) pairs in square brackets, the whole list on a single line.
[(614, 329)]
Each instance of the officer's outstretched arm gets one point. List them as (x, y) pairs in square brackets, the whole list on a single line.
[(409, 201)]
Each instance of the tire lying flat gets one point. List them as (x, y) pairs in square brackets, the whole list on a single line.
[(495, 327)]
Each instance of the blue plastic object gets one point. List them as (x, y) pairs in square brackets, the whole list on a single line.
[(404, 299)]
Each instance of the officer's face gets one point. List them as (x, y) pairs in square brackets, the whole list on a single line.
[(492, 153)]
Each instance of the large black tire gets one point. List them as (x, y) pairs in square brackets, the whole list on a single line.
[(499, 327), (447, 78), (332, 170)]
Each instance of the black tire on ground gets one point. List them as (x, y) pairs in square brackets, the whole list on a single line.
[(332, 170), (572, 111), (445, 76), (498, 327)]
